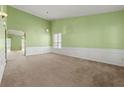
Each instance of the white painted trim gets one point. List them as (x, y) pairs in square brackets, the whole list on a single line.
[(37, 50), (2, 71), (16, 32), (8, 45), (2, 64), (109, 56)]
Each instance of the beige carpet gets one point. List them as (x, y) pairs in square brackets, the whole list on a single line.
[(59, 70)]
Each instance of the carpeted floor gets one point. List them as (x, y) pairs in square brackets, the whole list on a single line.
[(55, 70)]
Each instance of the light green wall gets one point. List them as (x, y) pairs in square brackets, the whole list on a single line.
[(33, 26), (96, 31), (16, 42)]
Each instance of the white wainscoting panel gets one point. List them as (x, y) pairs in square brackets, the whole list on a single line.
[(37, 50), (109, 56), (2, 64)]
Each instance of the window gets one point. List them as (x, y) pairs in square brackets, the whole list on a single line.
[(57, 40)]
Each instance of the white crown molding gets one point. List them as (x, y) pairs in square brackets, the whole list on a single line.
[(16, 32)]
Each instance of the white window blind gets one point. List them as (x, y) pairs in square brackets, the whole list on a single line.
[(57, 40)]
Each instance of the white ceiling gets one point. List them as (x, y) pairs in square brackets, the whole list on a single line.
[(52, 12)]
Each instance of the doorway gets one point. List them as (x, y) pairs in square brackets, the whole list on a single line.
[(15, 42)]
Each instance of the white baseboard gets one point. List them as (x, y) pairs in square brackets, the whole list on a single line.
[(109, 56), (2, 64), (37, 50)]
